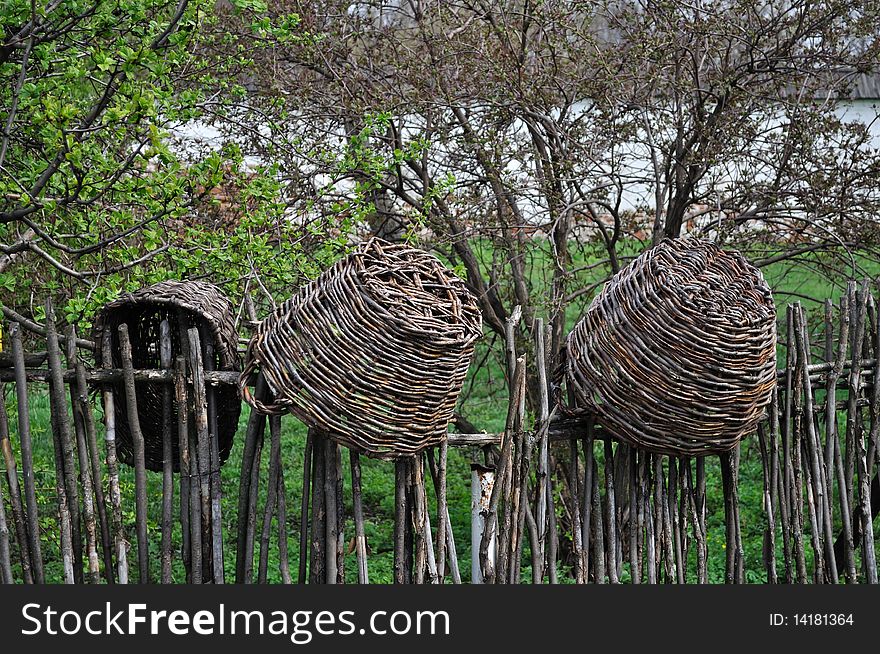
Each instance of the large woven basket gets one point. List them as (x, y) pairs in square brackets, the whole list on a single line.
[(372, 353), (184, 304), (677, 353)]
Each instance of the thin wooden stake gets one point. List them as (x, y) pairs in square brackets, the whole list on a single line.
[(417, 481), (442, 507), (251, 507), (340, 514), (27, 457), (318, 555), (598, 538), (330, 506), (212, 535), (650, 535), (140, 474), (634, 508), (451, 554), (182, 399), (19, 517), (167, 455), (358, 510), (283, 554), (5, 560), (208, 363), (77, 402), (611, 530), (483, 482), (400, 517), (65, 476), (769, 552), (255, 428), (271, 496), (304, 510), (120, 540), (541, 475)]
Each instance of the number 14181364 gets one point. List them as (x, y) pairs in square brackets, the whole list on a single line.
[(811, 620)]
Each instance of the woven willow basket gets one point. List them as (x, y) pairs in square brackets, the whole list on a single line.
[(372, 353), (184, 305), (677, 353)]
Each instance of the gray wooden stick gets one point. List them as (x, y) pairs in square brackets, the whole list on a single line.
[(140, 474), (27, 457)]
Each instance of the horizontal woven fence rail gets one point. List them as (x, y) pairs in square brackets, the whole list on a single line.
[(103, 376), (560, 429), (222, 377), (816, 369)]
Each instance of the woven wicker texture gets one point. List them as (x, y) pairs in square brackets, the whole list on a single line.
[(373, 353), (184, 304), (677, 353)]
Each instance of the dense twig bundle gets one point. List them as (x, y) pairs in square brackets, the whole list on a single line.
[(677, 354), (184, 304), (373, 352)]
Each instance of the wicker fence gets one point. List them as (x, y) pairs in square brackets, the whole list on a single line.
[(553, 500)]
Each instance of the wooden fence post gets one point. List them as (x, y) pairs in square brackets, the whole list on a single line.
[(482, 487), (140, 471)]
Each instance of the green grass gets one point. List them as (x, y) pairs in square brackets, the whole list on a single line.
[(378, 498)]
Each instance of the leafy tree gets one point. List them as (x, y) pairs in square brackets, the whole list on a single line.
[(95, 196), (534, 143)]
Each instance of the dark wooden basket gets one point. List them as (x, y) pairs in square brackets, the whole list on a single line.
[(184, 304), (372, 353), (677, 353)]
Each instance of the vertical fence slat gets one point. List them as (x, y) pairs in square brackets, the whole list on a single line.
[(182, 400), (5, 560), (120, 541), (598, 538), (208, 364), (319, 521), (19, 518), (271, 496), (543, 464), (672, 502), (400, 517), (340, 514), (451, 555), (358, 511), (79, 404), (612, 533), (769, 549), (633, 505), (27, 457), (815, 494), (482, 485), (253, 434), (96, 470), (417, 518), (304, 509), (330, 508), (167, 454), (586, 507), (212, 536), (138, 450), (283, 553), (66, 489)]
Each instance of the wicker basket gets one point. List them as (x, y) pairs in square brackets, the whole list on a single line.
[(677, 353), (195, 304), (372, 353)]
